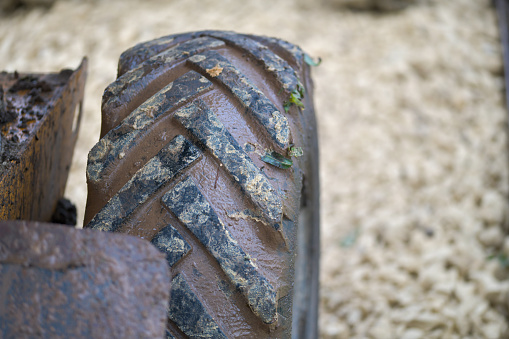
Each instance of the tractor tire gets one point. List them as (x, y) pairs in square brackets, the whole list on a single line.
[(209, 150)]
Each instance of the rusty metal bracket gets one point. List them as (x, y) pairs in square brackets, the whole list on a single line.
[(60, 282), (40, 116)]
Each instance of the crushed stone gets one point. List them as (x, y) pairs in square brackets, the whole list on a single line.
[(413, 144)]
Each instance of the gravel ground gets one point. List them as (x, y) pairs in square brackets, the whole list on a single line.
[(413, 144)]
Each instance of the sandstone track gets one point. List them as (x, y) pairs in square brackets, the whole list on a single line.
[(413, 144)]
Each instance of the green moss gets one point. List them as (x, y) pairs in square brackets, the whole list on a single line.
[(295, 151)]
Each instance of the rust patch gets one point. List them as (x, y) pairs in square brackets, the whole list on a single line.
[(60, 282), (36, 146)]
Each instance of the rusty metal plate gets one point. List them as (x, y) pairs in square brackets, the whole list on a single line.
[(39, 123), (60, 282)]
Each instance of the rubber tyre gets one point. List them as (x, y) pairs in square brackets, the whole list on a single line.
[(186, 130)]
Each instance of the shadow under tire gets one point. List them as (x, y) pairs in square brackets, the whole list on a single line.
[(208, 149)]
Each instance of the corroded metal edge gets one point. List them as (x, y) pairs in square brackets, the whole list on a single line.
[(31, 187)]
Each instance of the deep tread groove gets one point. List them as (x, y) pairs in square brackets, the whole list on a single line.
[(189, 314), (141, 52), (130, 83), (287, 51), (291, 53), (172, 244), (252, 99), (169, 335), (172, 330), (178, 154), (205, 125), (190, 206), (285, 74), (121, 139)]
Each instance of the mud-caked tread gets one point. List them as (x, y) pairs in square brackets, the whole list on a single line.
[(172, 244), (130, 83), (135, 55), (178, 154), (251, 98), (118, 141), (259, 47), (142, 51), (189, 314), (227, 222), (205, 125), (193, 210), (271, 61), (283, 48)]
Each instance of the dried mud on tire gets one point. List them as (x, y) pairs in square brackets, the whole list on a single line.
[(184, 129)]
